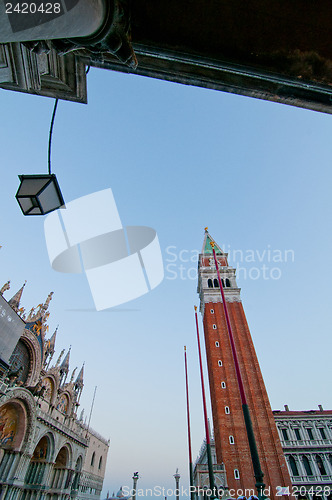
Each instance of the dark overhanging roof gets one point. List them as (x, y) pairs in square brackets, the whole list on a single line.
[(279, 51)]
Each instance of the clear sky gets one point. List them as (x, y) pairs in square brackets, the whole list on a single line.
[(178, 158)]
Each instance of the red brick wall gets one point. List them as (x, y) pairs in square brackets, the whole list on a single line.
[(237, 456)]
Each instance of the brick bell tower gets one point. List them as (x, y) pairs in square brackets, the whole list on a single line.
[(230, 433)]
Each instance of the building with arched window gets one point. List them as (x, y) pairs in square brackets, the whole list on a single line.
[(46, 451), (306, 439), (308, 455)]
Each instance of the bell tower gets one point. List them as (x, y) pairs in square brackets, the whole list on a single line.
[(231, 441)]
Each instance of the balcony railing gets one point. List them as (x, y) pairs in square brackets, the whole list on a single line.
[(63, 428), (311, 479), (303, 443), (205, 467)]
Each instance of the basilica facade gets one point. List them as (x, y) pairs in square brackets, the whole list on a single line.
[(46, 451)]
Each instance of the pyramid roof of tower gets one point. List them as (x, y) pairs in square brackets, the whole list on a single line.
[(207, 249)]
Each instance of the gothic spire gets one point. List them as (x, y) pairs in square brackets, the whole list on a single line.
[(50, 348), (5, 287), (59, 358), (79, 380), (41, 313), (51, 342), (14, 302), (47, 302), (64, 367), (73, 375)]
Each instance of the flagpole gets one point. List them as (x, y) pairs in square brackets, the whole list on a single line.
[(191, 477), (258, 473), (207, 433)]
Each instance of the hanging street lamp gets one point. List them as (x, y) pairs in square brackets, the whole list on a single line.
[(40, 194)]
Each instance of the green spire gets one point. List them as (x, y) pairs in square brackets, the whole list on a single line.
[(207, 249), (207, 246)]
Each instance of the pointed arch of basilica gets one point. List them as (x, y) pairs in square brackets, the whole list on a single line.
[(62, 473), (77, 474), (28, 355), (41, 461), (51, 389)]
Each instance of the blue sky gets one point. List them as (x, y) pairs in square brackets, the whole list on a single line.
[(178, 158)]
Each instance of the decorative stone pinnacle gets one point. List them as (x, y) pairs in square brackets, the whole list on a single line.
[(59, 358), (206, 229), (212, 244), (195, 307), (72, 375), (5, 287)]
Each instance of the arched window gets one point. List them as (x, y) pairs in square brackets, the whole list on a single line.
[(297, 434), (307, 466), (309, 432), (293, 466), (36, 469), (12, 419), (93, 459), (228, 283), (220, 362), (320, 465), (212, 311), (231, 440), (236, 474), (61, 460), (61, 463), (227, 410), (210, 285), (100, 463), (217, 344), (77, 473), (223, 283), (223, 385), (285, 434), (216, 283)]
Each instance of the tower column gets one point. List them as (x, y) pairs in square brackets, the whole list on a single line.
[(177, 484), (222, 310)]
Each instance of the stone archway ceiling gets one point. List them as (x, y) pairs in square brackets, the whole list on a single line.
[(62, 458), (40, 452)]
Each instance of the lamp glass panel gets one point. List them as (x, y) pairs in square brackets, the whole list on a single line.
[(49, 199), (25, 204), (35, 211), (31, 186)]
